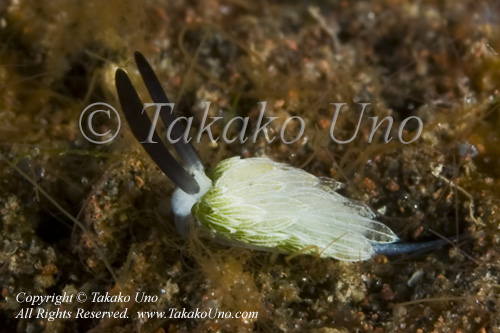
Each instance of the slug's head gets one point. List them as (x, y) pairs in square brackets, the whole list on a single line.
[(182, 202), (189, 176)]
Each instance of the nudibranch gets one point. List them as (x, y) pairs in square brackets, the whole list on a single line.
[(256, 202)]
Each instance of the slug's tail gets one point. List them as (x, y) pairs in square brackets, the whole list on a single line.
[(393, 249)]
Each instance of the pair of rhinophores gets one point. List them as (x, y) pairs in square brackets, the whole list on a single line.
[(256, 202)]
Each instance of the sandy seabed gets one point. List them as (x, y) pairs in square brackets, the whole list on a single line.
[(79, 218)]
